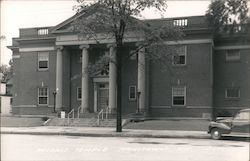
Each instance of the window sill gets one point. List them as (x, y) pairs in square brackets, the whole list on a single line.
[(132, 100), (43, 70), (43, 105), (179, 66), (232, 99), (179, 106)]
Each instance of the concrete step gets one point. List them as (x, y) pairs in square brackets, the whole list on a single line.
[(57, 122), (108, 123), (81, 122), (84, 122)]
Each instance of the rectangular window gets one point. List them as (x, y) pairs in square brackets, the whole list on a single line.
[(43, 31), (179, 96), (232, 93), (180, 58), (43, 61), (132, 93), (43, 96), (232, 55), (180, 22), (79, 93)]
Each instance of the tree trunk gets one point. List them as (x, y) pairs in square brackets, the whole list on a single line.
[(119, 88)]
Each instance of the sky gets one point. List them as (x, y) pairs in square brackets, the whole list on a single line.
[(17, 14)]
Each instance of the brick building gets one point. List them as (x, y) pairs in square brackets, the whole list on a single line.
[(211, 76)]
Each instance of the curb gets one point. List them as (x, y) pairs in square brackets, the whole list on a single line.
[(114, 134)]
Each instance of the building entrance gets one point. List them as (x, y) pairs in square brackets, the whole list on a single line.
[(103, 96)]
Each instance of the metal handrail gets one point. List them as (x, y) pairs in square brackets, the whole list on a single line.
[(107, 112), (73, 115), (98, 116), (78, 111)]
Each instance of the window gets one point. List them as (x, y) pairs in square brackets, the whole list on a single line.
[(232, 55), (232, 93), (181, 22), (43, 61), (179, 96), (180, 57), (79, 93), (43, 96), (132, 93), (43, 31)]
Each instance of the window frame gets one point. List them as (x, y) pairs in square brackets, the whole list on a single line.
[(129, 93), (232, 59), (180, 54), (184, 95), (40, 58), (77, 93), (232, 88), (47, 96)]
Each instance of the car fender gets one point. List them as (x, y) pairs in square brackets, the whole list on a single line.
[(224, 127)]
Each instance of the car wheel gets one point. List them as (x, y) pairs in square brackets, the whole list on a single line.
[(215, 134)]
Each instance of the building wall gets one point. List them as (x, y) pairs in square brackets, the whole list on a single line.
[(231, 74), (27, 79), (129, 78), (196, 75)]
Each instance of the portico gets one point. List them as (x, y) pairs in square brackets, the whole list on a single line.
[(98, 91)]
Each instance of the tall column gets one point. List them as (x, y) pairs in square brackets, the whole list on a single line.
[(112, 78), (141, 79), (59, 78), (85, 79)]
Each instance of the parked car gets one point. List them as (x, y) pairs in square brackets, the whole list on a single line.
[(238, 124)]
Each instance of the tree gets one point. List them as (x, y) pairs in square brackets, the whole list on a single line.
[(227, 15), (6, 72), (116, 18)]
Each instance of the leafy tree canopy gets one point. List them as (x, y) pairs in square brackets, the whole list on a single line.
[(6, 72), (228, 15)]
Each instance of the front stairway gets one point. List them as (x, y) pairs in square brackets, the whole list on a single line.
[(84, 120)]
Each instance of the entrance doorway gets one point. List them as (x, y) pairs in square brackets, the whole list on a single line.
[(102, 96)]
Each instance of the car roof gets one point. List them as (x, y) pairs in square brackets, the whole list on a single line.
[(245, 110)]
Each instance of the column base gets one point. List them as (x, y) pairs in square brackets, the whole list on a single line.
[(112, 111)]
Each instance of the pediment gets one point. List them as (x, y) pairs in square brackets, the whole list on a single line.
[(66, 26)]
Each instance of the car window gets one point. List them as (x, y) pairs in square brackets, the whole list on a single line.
[(243, 116)]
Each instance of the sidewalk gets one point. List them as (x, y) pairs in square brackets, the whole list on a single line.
[(103, 132)]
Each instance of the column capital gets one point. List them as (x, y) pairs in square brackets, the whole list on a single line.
[(84, 46), (111, 45), (59, 47)]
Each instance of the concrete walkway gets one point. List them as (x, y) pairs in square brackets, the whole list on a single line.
[(103, 132)]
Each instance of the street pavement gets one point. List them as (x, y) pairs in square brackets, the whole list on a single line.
[(77, 148)]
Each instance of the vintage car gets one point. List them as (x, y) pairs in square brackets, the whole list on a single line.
[(239, 124)]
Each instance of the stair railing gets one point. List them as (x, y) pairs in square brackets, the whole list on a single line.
[(98, 116), (78, 111), (107, 112), (71, 113)]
